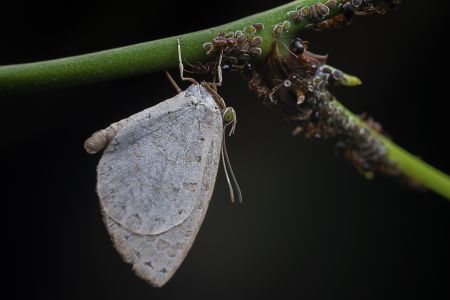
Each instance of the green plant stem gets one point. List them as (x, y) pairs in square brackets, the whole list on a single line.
[(162, 54), (410, 165), (140, 58)]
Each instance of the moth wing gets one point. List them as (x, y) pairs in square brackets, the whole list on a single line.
[(156, 178), (155, 258), (149, 175)]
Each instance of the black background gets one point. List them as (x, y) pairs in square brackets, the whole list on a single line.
[(309, 227)]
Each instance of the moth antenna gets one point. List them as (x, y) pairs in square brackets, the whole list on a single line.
[(233, 178), (175, 85), (230, 186)]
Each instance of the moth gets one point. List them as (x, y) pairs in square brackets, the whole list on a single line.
[(156, 177)]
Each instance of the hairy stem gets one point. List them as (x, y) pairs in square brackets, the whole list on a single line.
[(140, 58)]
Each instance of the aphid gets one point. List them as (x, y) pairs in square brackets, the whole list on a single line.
[(300, 99), (255, 51), (251, 30), (314, 13), (226, 67), (277, 31), (371, 123), (241, 39), (297, 46), (349, 11), (258, 26), (247, 69), (299, 14), (331, 4), (304, 11), (157, 174), (322, 10), (220, 42), (207, 46), (230, 42), (338, 75), (256, 41), (286, 25), (357, 3), (331, 23), (326, 70), (293, 14), (229, 35)]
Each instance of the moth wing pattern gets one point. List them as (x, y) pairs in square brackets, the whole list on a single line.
[(155, 180)]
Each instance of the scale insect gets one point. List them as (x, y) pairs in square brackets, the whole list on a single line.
[(156, 176)]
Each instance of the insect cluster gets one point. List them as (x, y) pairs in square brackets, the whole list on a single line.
[(315, 14), (295, 81), (236, 49), (278, 29)]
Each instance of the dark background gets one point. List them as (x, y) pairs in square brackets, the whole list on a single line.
[(309, 226)]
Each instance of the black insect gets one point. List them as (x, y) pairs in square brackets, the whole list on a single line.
[(258, 26), (357, 3), (349, 10), (322, 10), (314, 14), (297, 46), (331, 4), (247, 69), (226, 67), (338, 75)]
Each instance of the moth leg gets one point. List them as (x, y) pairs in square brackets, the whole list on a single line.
[(219, 100), (217, 72), (100, 139), (181, 66), (174, 84), (219, 68)]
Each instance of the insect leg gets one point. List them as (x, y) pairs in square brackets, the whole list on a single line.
[(219, 100), (175, 85), (181, 67), (219, 68)]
